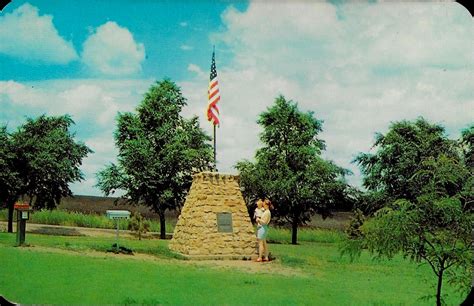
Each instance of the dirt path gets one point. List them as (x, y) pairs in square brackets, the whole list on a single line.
[(75, 231), (245, 266)]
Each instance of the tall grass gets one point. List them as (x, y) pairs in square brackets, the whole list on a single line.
[(3, 214), (59, 217), (65, 218)]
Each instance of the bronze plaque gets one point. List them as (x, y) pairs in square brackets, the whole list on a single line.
[(224, 222)]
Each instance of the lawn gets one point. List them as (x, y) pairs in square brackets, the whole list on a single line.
[(76, 270)]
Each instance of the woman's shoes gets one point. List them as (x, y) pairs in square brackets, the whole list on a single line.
[(262, 259)]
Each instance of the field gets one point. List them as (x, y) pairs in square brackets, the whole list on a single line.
[(62, 269), (78, 270)]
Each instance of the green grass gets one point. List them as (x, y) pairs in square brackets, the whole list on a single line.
[(154, 247), (283, 235), (34, 275), (65, 218)]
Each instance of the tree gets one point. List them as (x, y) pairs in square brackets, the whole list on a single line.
[(390, 172), (419, 193), (158, 152), (467, 146), (434, 228), (43, 159), (289, 169), (9, 177)]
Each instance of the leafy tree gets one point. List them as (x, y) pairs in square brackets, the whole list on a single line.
[(289, 169), (158, 152), (467, 146), (50, 158), (43, 159), (419, 193), (434, 228), (368, 201), (390, 171), (9, 178)]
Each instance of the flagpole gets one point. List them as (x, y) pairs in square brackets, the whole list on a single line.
[(213, 98), (215, 160)]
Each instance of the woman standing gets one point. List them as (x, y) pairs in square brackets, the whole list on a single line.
[(262, 231), (258, 213)]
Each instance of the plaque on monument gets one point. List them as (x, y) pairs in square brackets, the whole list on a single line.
[(224, 222)]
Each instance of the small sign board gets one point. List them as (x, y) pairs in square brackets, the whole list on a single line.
[(21, 206), (25, 215), (224, 222), (118, 214)]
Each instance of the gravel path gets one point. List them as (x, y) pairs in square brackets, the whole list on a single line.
[(74, 230)]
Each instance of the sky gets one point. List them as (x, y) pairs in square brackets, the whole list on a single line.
[(359, 67)]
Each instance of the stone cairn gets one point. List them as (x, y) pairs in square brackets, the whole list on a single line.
[(214, 222)]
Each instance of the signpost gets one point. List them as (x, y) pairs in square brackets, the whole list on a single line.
[(22, 214), (117, 215)]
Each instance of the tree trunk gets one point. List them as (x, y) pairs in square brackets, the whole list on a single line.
[(10, 216), (294, 231), (438, 291), (162, 225)]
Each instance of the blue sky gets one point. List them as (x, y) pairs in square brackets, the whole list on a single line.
[(358, 67), (174, 33)]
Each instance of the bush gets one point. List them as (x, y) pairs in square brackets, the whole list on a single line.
[(139, 225)]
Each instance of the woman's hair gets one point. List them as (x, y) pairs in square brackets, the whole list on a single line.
[(269, 203)]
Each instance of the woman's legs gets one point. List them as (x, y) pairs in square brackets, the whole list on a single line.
[(261, 248), (265, 246)]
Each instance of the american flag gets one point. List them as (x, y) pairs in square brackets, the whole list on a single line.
[(213, 94)]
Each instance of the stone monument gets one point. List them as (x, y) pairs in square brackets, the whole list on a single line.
[(214, 222)]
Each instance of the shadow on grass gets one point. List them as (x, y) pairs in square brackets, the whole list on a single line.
[(58, 231), (292, 261), (120, 250)]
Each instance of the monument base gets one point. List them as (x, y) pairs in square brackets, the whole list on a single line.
[(218, 257), (214, 222)]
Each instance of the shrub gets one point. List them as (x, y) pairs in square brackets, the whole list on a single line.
[(139, 225)]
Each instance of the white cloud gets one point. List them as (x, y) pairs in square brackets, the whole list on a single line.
[(95, 100), (358, 67), (410, 34), (197, 70), (26, 35), (111, 50), (186, 47), (183, 24), (92, 104)]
